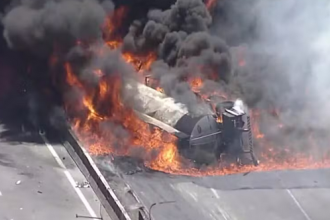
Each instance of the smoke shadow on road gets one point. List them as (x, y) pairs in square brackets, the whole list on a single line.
[(19, 121), (15, 125)]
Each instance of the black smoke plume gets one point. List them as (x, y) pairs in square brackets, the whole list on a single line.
[(285, 52), (177, 33)]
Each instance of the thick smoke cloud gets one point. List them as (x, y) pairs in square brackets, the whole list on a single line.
[(180, 37), (196, 51), (282, 41), (39, 25), (172, 32), (39, 29), (185, 16), (286, 50), (180, 32), (289, 57)]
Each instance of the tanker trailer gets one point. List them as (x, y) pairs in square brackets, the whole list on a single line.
[(203, 138)]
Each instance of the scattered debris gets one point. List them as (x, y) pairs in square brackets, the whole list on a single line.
[(18, 182), (84, 184)]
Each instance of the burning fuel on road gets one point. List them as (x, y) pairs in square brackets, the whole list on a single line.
[(114, 61)]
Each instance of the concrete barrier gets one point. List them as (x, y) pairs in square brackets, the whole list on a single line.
[(102, 184)]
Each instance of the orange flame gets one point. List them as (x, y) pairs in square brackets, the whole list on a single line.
[(126, 134), (255, 126), (140, 134), (113, 23), (140, 63)]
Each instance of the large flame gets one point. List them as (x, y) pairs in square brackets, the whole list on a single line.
[(107, 127), (125, 133)]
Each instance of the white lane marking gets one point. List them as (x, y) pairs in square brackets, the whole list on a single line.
[(70, 178), (298, 204), (224, 214), (193, 196), (215, 193)]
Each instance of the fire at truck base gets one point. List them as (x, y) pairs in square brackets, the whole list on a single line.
[(205, 139)]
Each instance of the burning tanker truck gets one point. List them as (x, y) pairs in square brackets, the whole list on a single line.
[(204, 139)]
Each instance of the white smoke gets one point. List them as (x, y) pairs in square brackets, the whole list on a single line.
[(292, 42)]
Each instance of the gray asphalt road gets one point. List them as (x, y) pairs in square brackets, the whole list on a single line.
[(34, 186), (280, 195)]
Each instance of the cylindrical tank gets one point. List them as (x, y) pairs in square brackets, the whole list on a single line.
[(204, 138), (153, 103)]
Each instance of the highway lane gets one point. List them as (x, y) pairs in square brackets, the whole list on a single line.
[(33, 185), (278, 195)]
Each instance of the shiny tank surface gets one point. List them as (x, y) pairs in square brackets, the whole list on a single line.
[(205, 131), (205, 140), (153, 103)]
